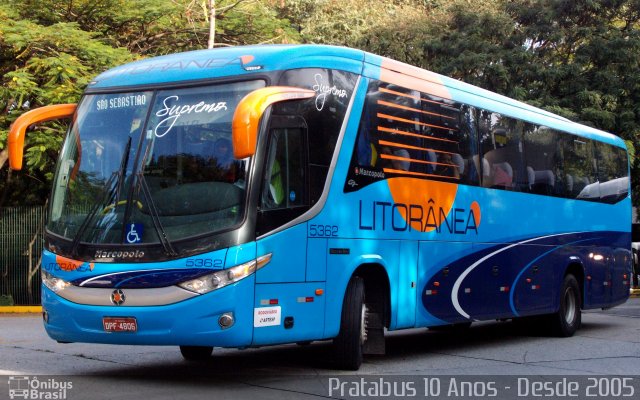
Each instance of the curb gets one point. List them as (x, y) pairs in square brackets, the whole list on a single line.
[(20, 309)]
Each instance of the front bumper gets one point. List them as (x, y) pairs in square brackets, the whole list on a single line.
[(192, 322)]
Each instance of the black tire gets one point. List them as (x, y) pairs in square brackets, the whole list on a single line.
[(567, 320), (196, 353), (350, 341)]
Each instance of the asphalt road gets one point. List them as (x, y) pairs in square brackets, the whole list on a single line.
[(608, 344)]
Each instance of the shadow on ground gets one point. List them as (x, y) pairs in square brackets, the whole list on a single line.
[(316, 359)]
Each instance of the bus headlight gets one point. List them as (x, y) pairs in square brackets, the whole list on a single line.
[(220, 279), (53, 283)]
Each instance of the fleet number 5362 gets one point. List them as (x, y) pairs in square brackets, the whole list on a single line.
[(316, 230)]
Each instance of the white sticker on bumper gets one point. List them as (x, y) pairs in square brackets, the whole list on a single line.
[(266, 316)]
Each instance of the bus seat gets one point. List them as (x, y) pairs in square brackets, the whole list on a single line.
[(531, 177), (486, 169), (544, 182), (569, 183), (431, 158), (459, 161), (402, 165), (502, 175)]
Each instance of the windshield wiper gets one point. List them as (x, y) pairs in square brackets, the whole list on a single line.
[(108, 195), (155, 217)]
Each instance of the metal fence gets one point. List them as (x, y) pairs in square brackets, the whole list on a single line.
[(20, 251)]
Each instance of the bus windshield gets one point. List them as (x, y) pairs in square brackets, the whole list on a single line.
[(149, 167)]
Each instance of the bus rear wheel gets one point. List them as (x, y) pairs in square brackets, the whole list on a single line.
[(196, 353), (350, 341), (567, 320)]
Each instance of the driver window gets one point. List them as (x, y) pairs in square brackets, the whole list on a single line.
[(284, 173)]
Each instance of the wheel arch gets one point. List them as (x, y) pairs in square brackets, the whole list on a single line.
[(378, 287), (375, 273), (576, 268)]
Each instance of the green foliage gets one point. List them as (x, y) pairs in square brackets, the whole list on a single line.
[(347, 23), (51, 49), (6, 300), (42, 65)]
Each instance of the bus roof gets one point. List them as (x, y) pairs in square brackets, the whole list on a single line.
[(222, 62), (227, 61)]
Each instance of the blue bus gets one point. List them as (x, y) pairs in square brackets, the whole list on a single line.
[(253, 196)]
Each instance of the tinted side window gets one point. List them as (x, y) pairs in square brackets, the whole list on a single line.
[(285, 169), (502, 159), (543, 159), (284, 193), (612, 172), (323, 114), (579, 168), (404, 132)]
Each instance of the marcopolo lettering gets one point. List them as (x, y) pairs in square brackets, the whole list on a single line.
[(119, 254), (382, 215)]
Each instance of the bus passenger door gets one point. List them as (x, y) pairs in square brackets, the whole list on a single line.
[(284, 193), (294, 308)]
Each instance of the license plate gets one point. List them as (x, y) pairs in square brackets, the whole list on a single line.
[(119, 324)]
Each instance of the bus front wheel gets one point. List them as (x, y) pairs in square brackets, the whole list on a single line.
[(350, 341), (196, 353), (567, 320)]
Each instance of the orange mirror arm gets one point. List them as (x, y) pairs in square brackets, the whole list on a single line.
[(246, 119), (20, 125)]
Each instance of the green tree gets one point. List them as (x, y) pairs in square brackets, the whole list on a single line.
[(42, 65), (576, 58), (584, 63), (151, 27), (51, 49)]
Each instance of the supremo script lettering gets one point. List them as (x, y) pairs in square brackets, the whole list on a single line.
[(173, 113), (324, 90)]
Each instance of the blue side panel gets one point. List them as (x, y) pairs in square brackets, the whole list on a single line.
[(296, 301), (519, 278), (289, 256), (537, 283), (316, 260), (407, 286), (434, 308), (241, 254), (621, 274), (599, 286)]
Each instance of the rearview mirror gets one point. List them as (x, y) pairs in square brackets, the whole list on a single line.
[(20, 125), (246, 119)]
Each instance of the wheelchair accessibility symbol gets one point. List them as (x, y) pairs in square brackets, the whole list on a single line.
[(134, 233)]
